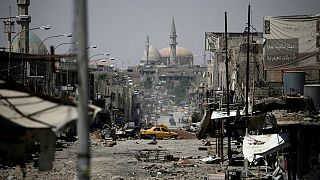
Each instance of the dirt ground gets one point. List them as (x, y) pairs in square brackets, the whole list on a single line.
[(182, 161)]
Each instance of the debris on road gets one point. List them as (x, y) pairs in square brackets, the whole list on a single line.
[(211, 160), (153, 142), (153, 155), (184, 134)]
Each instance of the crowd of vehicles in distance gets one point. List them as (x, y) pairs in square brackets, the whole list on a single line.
[(158, 132), (172, 122)]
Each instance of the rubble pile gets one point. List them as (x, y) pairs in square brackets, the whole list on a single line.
[(285, 116), (184, 134)]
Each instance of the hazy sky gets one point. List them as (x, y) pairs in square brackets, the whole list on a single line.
[(120, 27)]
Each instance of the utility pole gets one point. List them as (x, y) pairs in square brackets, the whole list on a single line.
[(247, 85), (9, 29), (83, 163), (248, 59), (50, 72), (227, 82), (227, 68)]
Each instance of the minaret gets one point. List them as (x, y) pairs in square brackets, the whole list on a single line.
[(173, 43), (147, 49), (23, 21)]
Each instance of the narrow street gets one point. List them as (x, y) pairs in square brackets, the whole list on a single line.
[(138, 90)]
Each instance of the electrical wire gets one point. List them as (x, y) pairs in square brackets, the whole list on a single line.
[(11, 67)]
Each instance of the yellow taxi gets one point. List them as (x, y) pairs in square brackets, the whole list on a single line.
[(158, 132)]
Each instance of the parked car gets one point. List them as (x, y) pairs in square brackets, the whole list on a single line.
[(158, 132), (132, 132), (194, 127)]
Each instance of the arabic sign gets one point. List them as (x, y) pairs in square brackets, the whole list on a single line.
[(281, 51), (291, 40)]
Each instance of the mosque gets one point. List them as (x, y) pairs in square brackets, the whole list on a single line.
[(35, 45), (168, 56)]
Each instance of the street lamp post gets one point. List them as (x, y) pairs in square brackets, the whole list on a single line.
[(48, 72), (75, 49), (63, 44), (67, 63), (101, 54), (9, 28), (65, 35), (47, 27), (69, 52)]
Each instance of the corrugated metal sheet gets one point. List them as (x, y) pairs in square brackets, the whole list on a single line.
[(30, 111)]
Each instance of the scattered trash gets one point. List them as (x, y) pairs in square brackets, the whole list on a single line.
[(203, 148), (10, 177), (191, 157), (277, 173), (153, 142), (211, 160), (185, 161), (153, 155), (152, 166), (118, 178), (109, 143)]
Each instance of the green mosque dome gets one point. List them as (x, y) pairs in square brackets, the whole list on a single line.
[(34, 42)]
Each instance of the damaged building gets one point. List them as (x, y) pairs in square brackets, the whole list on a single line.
[(278, 136), (114, 92)]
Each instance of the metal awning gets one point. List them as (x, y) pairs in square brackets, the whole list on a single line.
[(257, 146), (26, 118), (32, 112)]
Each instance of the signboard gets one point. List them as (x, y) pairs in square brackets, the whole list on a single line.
[(281, 51), (211, 41), (291, 41), (66, 88)]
